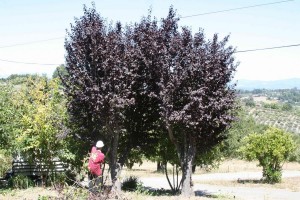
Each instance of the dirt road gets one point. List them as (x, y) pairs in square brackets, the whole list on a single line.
[(237, 192)]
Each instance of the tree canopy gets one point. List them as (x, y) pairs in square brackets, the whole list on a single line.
[(130, 84)]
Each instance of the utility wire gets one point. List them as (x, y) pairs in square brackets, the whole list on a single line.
[(27, 63), (189, 16), (268, 48), (195, 15), (37, 41), (242, 51), (232, 9)]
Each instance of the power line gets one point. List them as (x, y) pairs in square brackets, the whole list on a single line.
[(242, 51), (27, 63), (189, 16), (195, 15), (37, 41), (232, 9), (268, 48)]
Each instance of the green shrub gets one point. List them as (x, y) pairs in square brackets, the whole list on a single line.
[(20, 182), (130, 184), (56, 179), (296, 156), (274, 106), (271, 149), (5, 161), (44, 198)]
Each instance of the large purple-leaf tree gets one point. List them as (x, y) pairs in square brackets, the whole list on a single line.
[(196, 100), (130, 85), (98, 81)]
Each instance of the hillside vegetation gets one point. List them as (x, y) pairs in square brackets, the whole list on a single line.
[(281, 119), (278, 108)]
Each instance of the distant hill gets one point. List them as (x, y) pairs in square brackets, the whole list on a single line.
[(271, 85)]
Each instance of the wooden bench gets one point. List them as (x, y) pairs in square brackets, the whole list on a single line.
[(37, 169)]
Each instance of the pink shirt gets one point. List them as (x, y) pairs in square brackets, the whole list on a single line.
[(96, 158)]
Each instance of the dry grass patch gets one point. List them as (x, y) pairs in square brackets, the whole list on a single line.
[(147, 169), (30, 194), (235, 165), (291, 166), (292, 184)]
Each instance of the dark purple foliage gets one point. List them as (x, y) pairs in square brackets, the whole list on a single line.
[(98, 82), (99, 72), (190, 81), (149, 78)]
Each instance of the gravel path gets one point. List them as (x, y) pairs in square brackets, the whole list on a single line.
[(243, 193)]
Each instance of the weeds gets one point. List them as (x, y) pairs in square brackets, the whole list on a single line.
[(20, 182)]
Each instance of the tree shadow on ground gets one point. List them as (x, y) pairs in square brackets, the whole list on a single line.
[(167, 192), (253, 181), (204, 193), (157, 192), (138, 170)]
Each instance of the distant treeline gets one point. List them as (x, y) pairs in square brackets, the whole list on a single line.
[(19, 78), (291, 96)]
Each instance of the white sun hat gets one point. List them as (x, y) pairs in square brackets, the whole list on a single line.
[(99, 144)]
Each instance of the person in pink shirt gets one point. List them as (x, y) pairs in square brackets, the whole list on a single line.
[(94, 166)]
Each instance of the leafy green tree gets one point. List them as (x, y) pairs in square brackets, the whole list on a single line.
[(18, 79), (5, 160), (242, 127), (287, 107), (7, 115), (209, 158), (38, 137), (60, 71), (296, 156), (249, 102), (9, 122), (271, 149)]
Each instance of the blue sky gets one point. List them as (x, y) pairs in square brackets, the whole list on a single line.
[(26, 21)]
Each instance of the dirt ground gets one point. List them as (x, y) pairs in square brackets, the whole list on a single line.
[(29, 194), (234, 179)]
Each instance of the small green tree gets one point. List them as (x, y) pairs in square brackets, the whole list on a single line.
[(271, 149), (7, 115), (5, 160), (39, 133), (60, 71), (240, 129)]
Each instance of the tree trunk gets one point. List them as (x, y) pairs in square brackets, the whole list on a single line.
[(187, 189), (115, 167), (187, 167), (186, 154), (159, 166), (194, 168)]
